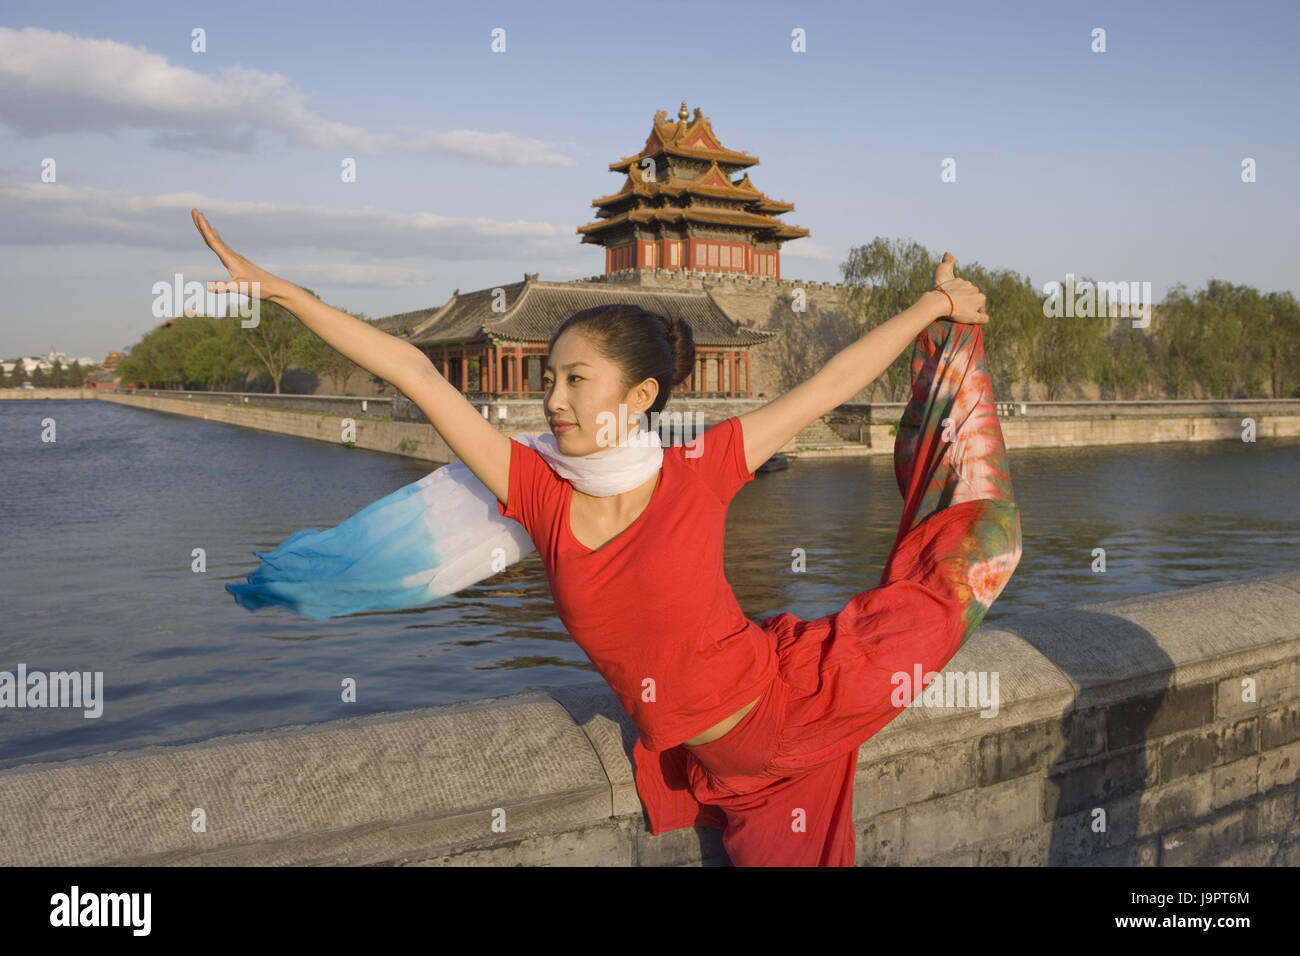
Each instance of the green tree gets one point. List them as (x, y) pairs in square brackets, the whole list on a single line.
[(1015, 322), (270, 342), (1282, 345), (218, 359), (1224, 341), (885, 278), (158, 359), (1070, 349), (1127, 364), (136, 364), (1176, 338), (313, 354)]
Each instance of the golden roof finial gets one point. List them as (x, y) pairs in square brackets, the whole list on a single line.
[(682, 114)]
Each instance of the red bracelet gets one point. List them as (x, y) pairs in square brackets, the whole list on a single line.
[(951, 306)]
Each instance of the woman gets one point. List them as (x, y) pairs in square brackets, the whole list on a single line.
[(750, 728)]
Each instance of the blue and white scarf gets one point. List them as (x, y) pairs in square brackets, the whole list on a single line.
[(431, 538)]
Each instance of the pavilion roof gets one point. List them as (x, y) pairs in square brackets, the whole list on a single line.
[(535, 309)]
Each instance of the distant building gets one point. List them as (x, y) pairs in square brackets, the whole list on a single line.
[(490, 353), (101, 379), (50, 357), (682, 239), (46, 362)]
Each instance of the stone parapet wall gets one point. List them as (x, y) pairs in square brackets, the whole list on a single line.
[(1161, 730)]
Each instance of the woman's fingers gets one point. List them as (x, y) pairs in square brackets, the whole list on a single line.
[(211, 237), (223, 251), (971, 303)]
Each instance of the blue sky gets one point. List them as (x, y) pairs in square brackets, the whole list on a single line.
[(475, 167)]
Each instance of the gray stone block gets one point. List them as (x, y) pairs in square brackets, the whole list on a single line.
[(969, 818)]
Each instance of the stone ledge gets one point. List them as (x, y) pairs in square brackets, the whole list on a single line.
[(1084, 687)]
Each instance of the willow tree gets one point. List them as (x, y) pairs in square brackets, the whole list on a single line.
[(885, 278), (1282, 351), (270, 341)]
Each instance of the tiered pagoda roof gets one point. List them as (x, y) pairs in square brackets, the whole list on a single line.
[(691, 185)]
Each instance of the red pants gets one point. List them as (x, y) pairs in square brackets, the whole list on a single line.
[(784, 775)]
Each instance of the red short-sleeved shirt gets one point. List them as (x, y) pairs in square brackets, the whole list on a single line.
[(652, 608)]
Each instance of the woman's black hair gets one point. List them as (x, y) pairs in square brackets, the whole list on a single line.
[(642, 344)]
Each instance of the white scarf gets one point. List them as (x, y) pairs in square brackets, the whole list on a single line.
[(430, 538), (603, 473)]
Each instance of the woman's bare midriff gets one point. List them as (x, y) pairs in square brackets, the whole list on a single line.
[(720, 730)]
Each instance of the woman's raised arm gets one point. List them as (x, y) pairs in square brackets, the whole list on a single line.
[(483, 449), (768, 429)]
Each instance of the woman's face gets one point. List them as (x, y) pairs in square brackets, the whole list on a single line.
[(580, 385)]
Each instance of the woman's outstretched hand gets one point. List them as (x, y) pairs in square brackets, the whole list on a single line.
[(967, 300), (241, 270)]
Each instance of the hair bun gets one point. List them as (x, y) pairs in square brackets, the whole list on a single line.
[(681, 339)]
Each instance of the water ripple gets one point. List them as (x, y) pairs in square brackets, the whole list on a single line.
[(99, 529)]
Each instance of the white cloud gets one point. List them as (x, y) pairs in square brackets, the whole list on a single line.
[(53, 82), (56, 215), (352, 274)]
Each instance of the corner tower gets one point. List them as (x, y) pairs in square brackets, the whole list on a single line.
[(680, 209)]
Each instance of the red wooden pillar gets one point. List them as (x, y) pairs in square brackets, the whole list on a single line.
[(464, 370), (749, 392), (519, 372), (731, 373)]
